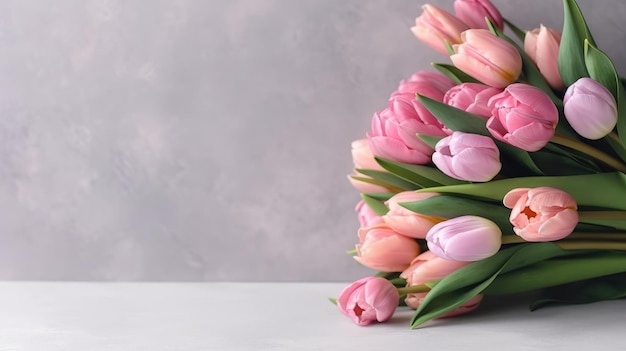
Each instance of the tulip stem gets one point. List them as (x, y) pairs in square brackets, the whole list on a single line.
[(582, 241), (591, 151), (413, 289), (584, 216), (591, 245)]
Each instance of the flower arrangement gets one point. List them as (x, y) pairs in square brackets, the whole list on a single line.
[(502, 173)]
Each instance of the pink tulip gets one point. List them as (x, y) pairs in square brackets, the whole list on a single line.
[(367, 216), (406, 222), (490, 59), (590, 108), (428, 267), (541, 214), (365, 187), (362, 156), (368, 300), (469, 157), (523, 116), (436, 80), (542, 46), (383, 249), (465, 238), (471, 97), (436, 26), (475, 12)]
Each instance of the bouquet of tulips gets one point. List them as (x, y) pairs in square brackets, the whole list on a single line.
[(504, 172)]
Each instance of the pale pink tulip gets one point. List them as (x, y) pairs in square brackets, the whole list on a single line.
[(367, 216), (362, 156), (469, 157), (368, 300), (475, 12), (523, 116), (365, 187), (590, 108), (412, 85), (465, 238), (542, 46), (541, 214), (428, 267), (383, 249), (436, 26), (488, 58), (471, 97), (407, 222)]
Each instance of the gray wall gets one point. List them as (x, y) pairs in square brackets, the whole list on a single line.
[(201, 140)]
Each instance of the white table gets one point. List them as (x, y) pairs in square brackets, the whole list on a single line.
[(274, 316)]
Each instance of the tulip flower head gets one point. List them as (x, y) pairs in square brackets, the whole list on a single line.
[(488, 58), (542, 46), (436, 26), (470, 157), (367, 216), (590, 108), (541, 214), (465, 238), (475, 12), (523, 116), (407, 222), (471, 97), (383, 249), (368, 300), (436, 80)]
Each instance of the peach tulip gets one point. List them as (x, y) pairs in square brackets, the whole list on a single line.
[(541, 214), (488, 58), (383, 249), (436, 26), (475, 12), (368, 300), (407, 222), (542, 46)]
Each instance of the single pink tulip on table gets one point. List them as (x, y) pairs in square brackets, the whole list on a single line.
[(475, 12), (368, 300), (590, 108), (407, 222), (469, 157), (383, 249), (488, 58), (436, 26), (541, 214), (542, 46), (471, 97)]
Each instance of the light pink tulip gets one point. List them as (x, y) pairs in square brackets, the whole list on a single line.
[(428, 267), (465, 238), (541, 214), (367, 216), (436, 26), (383, 249), (368, 300), (474, 12), (407, 222), (542, 46), (365, 187), (523, 116), (469, 157), (362, 156), (590, 108), (471, 97), (490, 59), (436, 80)]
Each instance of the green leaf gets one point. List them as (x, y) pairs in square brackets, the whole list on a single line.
[(602, 190), (521, 34), (601, 68), (621, 114), (375, 204), (332, 300), (380, 196), (459, 287), (447, 206), (617, 145), (556, 164), (390, 179), (424, 176), (571, 52), (454, 73), (429, 139)]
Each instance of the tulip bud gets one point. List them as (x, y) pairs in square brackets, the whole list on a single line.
[(465, 238), (523, 116), (590, 108), (541, 214), (436, 80), (367, 216), (471, 97), (368, 300), (362, 156), (383, 249), (490, 59), (470, 157), (436, 26), (542, 46), (406, 222), (475, 12)]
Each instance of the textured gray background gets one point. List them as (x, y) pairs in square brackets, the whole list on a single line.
[(202, 140)]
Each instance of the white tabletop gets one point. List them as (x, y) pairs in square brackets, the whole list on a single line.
[(275, 316)]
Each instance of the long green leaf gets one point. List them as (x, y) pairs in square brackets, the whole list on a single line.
[(602, 190), (571, 52), (423, 175), (375, 204), (454, 73), (601, 68), (390, 179)]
